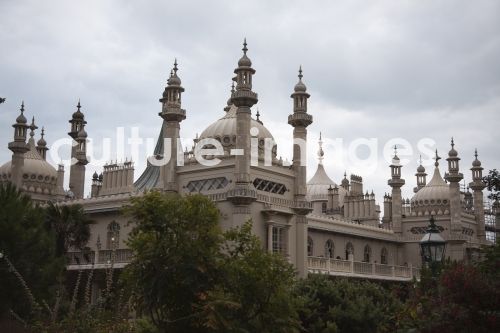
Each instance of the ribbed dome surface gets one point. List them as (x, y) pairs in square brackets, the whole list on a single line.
[(35, 169), (318, 185), (224, 129), (433, 196)]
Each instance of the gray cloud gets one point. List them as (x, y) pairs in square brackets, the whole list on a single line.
[(378, 69)]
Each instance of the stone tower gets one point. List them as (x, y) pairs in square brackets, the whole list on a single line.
[(18, 148), (299, 120), (421, 177), (396, 182), (243, 194), (477, 185), (78, 153), (172, 114), (454, 177)]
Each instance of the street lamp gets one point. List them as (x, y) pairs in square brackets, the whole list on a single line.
[(432, 246)]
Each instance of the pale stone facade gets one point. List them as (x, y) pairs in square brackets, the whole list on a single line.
[(319, 226)]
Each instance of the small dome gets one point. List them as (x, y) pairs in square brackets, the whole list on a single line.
[(21, 119), (436, 193), (174, 80), (224, 130), (95, 176), (476, 163), (420, 168), (300, 87), (452, 152), (41, 142), (244, 61), (78, 115)]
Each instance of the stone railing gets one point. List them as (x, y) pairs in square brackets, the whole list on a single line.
[(361, 269), (99, 259)]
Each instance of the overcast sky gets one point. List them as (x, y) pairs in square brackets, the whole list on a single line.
[(375, 70)]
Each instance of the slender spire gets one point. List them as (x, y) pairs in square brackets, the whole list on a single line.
[(33, 127), (244, 49), (395, 151), (258, 116), (321, 153), (436, 158), (175, 66), (300, 73)]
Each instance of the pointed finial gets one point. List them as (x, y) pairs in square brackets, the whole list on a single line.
[(345, 174), (43, 131), (452, 143), (175, 66), (437, 158), (171, 72), (22, 106), (321, 153), (475, 153), (78, 106), (232, 87), (245, 46), (300, 73), (33, 126), (420, 159), (258, 115), (395, 150)]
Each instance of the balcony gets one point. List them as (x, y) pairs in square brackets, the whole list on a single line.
[(99, 260), (367, 270)]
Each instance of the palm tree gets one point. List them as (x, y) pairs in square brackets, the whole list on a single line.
[(70, 224)]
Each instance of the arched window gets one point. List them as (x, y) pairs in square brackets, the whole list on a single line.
[(349, 249), (113, 236), (383, 256), (323, 207), (310, 247), (367, 255), (329, 248)]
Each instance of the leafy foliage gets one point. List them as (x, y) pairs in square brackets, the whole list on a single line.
[(255, 292), (70, 225), (464, 298), (26, 243), (492, 181), (175, 242), (342, 305)]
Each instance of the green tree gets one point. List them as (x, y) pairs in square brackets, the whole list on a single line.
[(2, 100), (254, 293), (29, 247), (70, 224), (464, 298), (342, 305), (492, 181), (176, 241)]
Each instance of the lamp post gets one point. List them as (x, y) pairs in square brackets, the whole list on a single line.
[(432, 247)]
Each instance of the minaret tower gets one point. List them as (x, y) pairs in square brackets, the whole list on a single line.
[(18, 148), (454, 177), (396, 183), (78, 153), (421, 177), (299, 120), (41, 146), (243, 98), (477, 185), (172, 114)]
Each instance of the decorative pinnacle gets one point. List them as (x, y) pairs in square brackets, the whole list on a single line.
[(232, 87), (345, 174), (420, 159), (43, 131), (22, 107), (437, 158), (452, 143), (258, 115), (395, 150), (475, 153), (300, 73), (78, 106), (175, 66), (321, 153), (245, 46)]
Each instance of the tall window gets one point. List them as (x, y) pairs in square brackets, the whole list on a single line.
[(349, 249), (310, 247), (383, 256), (367, 254), (113, 236), (279, 240), (329, 248), (323, 207)]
